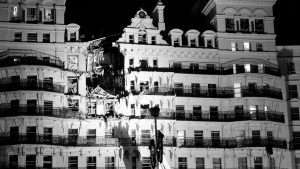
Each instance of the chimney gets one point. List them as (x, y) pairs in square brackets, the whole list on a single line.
[(158, 16)]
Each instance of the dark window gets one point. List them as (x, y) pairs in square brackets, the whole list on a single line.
[(242, 163), (18, 37), (200, 163), (182, 163), (259, 47), (143, 63), (132, 109), (197, 111), (32, 80), (193, 42), (198, 135), (195, 88), (73, 37), (210, 67), (32, 14), (109, 162), (91, 162), (13, 161), (32, 37), (291, 68), (46, 37), (48, 107), (178, 88), (295, 113), (91, 136), (133, 160), (258, 164), (155, 63), (256, 137), (296, 139), (215, 138), (131, 62), (131, 40), (47, 135), (47, 162), (48, 81), (153, 40), (73, 162), (142, 38), (217, 163), (31, 134), (259, 25), (156, 86), (30, 161), (212, 90), (245, 25), (15, 105), (229, 24), (14, 134), (209, 43), (31, 107), (194, 67), (73, 135), (293, 92)]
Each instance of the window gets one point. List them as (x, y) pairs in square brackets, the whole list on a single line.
[(145, 134), (144, 85), (269, 135), (47, 135), (73, 162), (182, 163), (18, 37), (198, 135), (153, 40), (297, 161), (15, 105), (229, 24), (212, 90), (132, 106), (109, 162), (256, 137), (49, 15), (200, 163), (247, 68), (296, 139), (73, 104), (215, 138), (73, 37), (142, 38), (46, 37), (48, 81), (48, 107), (178, 88), (47, 163), (176, 42), (91, 162), (30, 161), (131, 40), (193, 42), (233, 46), (245, 25), (15, 13), (131, 62), (197, 110), (132, 85), (14, 134), (217, 163), (32, 37), (253, 111), (293, 93), (258, 164), (72, 136), (146, 163), (143, 63), (133, 161), (209, 43), (91, 136), (291, 68), (156, 86), (154, 62), (31, 134), (31, 14), (210, 67), (259, 47), (242, 163), (295, 113), (246, 46), (259, 25), (237, 90), (195, 88), (13, 161)]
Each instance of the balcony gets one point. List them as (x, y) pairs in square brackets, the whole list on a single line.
[(144, 141), (219, 116), (261, 91), (230, 143), (155, 91), (23, 110), (217, 70), (26, 84), (23, 138), (16, 57)]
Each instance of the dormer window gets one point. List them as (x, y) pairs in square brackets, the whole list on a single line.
[(73, 37), (142, 38), (15, 13), (49, 15), (31, 14), (209, 43), (193, 42), (176, 42), (153, 40), (131, 40)]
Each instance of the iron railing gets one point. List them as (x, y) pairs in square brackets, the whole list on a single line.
[(24, 110), (26, 84), (217, 70), (189, 142), (226, 116), (218, 92)]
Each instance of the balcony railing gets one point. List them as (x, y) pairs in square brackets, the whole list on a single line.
[(217, 70), (189, 142), (294, 145), (223, 116), (58, 140), (23, 110), (218, 92), (15, 57), (26, 84)]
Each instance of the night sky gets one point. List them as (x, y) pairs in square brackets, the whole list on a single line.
[(110, 17)]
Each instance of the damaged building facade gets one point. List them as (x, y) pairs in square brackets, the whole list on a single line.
[(70, 104)]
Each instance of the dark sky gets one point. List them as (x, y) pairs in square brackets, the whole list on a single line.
[(110, 17)]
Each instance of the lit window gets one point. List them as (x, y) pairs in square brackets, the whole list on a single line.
[(253, 110), (259, 47), (32, 37), (246, 46), (15, 11), (247, 68), (46, 37), (233, 46), (18, 37), (110, 162), (49, 13)]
